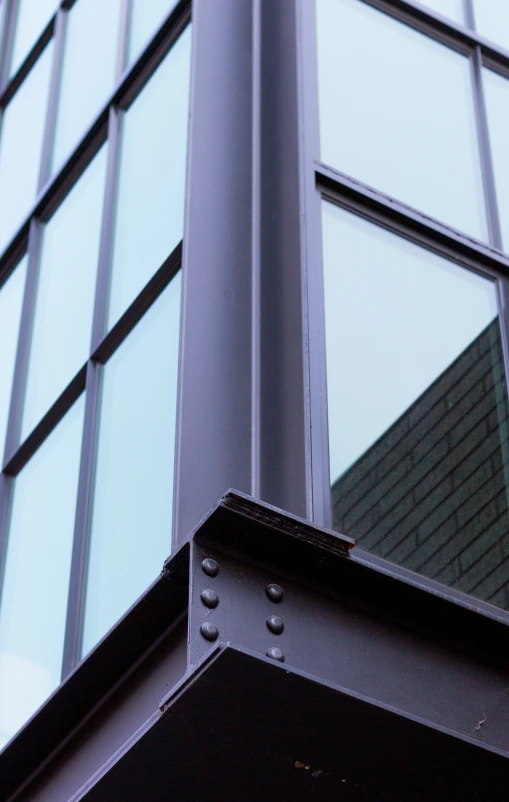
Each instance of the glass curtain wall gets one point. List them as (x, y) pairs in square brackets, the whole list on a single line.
[(414, 336), (92, 166)]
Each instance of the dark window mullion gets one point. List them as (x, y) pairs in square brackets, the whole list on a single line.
[(25, 336), (123, 44), (51, 114), (488, 175), (78, 573), (77, 584), (9, 28), (468, 10), (19, 385), (6, 492)]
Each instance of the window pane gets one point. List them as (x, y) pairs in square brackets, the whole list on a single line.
[(34, 600), (418, 408), (405, 126), (89, 70), (496, 91), (448, 8), (65, 295), (144, 20), (131, 524), (33, 16), (150, 210), (21, 147), (11, 300), (492, 20)]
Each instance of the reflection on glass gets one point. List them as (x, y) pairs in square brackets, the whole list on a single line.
[(33, 16), (407, 127), (34, 599), (65, 294), (418, 409), (492, 20), (23, 123), (144, 20), (89, 70), (131, 524), (11, 299), (447, 8), (150, 211), (496, 90)]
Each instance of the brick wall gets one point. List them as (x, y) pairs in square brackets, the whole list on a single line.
[(430, 494)]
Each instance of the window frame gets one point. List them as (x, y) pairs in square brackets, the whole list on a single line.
[(371, 204), (52, 191)]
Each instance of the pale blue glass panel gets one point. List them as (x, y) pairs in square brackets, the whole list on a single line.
[(407, 127), (33, 16), (150, 211), (447, 8), (418, 408), (396, 316), (496, 91), (89, 70), (492, 20), (131, 524), (21, 146), (146, 16), (34, 600), (11, 300), (65, 294)]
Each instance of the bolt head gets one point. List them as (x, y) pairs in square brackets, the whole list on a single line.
[(209, 631), (276, 654), (209, 598), (210, 567), (275, 593), (275, 624)]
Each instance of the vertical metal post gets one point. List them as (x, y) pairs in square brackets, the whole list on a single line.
[(243, 394), (284, 422), (213, 443)]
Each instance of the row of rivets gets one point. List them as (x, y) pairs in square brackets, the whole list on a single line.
[(274, 623), (210, 599)]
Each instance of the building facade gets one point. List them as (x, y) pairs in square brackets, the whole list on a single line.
[(254, 512)]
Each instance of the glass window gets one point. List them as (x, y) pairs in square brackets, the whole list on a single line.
[(33, 16), (150, 210), (132, 512), (21, 147), (65, 294), (144, 20), (418, 408), (447, 8), (11, 300), (496, 91), (492, 20), (34, 599), (89, 70), (405, 127)]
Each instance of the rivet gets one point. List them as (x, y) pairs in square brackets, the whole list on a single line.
[(209, 598), (276, 654), (209, 631), (275, 593), (210, 567), (275, 624)]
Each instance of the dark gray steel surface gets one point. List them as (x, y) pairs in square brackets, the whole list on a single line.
[(247, 728)]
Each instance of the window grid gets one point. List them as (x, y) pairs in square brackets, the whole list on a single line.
[(51, 192), (372, 204)]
